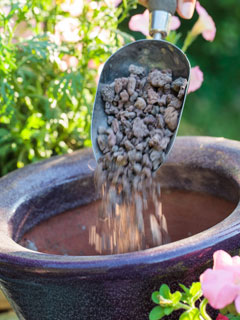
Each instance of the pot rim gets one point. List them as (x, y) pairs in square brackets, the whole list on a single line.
[(12, 253)]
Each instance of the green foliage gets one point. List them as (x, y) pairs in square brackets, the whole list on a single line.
[(48, 75), (169, 302)]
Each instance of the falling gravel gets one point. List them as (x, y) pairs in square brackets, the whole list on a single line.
[(142, 115)]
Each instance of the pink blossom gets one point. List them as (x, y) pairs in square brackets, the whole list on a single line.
[(74, 7), (204, 25), (196, 79), (67, 30), (68, 62), (221, 285), (175, 23), (140, 22), (92, 64), (117, 2)]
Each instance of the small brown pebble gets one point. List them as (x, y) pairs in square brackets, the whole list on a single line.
[(149, 120), (111, 139), (167, 88), (155, 110), (157, 157), (110, 120), (159, 78), (160, 121), (147, 172), (179, 83), (131, 85), (140, 147), (132, 155), (137, 168), (153, 96), (108, 93), (124, 96), (102, 140), (130, 108), (148, 108), (122, 160), (128, 145), (174, 102), (118, 85), (163, 100), (155, 142), (140, 130), (137, 70), (119, 137), (115, 125), (133, 97), (146, 161), (140, 103), (130, 115), (171, 118), (168, 133), (181, 93)]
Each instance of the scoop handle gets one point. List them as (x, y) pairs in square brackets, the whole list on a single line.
[(169, 6), (160, 14)]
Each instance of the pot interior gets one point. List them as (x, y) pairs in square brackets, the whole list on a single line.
[(187, 213), (193, 200)]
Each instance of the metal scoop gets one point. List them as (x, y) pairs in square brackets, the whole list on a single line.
[(150, 54)]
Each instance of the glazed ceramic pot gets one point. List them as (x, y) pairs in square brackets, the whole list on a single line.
[(51, 284)]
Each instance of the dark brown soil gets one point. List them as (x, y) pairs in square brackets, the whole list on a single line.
[(187, 213)]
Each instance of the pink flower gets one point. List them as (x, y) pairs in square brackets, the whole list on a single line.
[(204, 25), (196, 79), (221, 285), (140, 22), (117, 2), (175, 23), (222, 317), (68, 62), (74, 7), (67, 30)]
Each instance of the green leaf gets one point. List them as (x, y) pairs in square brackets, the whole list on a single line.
[(156, 313), (233, 317), (195, 288), (195, 291), (176, 297), (185, 289), (168, 310), (165, 291), (155, 297), (192, 314)]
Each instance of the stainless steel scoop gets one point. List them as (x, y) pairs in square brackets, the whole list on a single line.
[(150, 54)]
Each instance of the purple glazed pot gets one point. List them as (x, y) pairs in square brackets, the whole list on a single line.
[(56, 287)]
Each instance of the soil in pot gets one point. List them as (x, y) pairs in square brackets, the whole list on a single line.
[(187, 213)]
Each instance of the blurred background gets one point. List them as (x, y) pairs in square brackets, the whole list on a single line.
[(51, 57), (214, 109)]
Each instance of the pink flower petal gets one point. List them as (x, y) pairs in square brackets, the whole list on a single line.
[(208, 28), (140, 22), (175, 23), (221, 259), (117, 2), (237, 303), (218, 287), (196, 79)]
